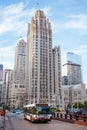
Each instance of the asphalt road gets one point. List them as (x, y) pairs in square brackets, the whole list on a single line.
[(17, 122)]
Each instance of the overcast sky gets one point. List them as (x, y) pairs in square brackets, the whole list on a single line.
[(69, 26)]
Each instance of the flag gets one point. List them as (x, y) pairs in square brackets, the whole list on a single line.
[(38, 5)]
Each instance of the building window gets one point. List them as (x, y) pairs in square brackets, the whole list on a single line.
[(16, 86)]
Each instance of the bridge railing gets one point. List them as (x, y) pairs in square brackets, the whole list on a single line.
[(70, 117)]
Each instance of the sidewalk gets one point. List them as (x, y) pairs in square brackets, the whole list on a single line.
[(1, 122), (4, 125)]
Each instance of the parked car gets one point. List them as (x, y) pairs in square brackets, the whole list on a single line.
[(84, 113), (18, 111)]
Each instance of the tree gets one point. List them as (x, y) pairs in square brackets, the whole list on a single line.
[(85, 105), (78, 105), (69, 105), (75, 105)]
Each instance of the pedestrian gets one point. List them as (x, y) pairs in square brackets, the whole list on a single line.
[(2, 113)]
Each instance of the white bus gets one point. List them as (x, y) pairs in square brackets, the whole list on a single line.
[(37, 112)]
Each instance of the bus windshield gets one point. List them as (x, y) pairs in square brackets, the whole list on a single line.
[(43, 110)]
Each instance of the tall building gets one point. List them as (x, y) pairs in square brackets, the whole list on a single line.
[(1, 81), (71, 69), (57, 76), (19, 72), (73, 94), (1, 72), (7, 86), (39, 80)]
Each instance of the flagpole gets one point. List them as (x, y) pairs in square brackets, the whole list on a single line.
[(38, 6)]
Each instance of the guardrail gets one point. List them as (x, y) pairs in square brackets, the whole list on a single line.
[(72, 118)]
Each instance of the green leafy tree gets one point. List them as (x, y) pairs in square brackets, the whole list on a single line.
[(54, 110), (75, 105), (78, 105), (69, 105), (85, 105)]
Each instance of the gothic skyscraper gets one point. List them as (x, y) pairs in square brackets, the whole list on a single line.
[(39, 79), (57, 81), (19, 73)]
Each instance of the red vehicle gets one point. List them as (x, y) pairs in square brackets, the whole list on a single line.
[(2, 110)]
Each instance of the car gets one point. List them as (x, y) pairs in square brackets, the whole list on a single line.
[(84, 113), (18, 111)]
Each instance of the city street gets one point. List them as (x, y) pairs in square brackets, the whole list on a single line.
[(17, 122)]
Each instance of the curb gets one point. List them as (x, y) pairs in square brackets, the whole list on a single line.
[(72, 121)]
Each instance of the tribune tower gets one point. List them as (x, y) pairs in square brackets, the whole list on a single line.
[(39, 79)]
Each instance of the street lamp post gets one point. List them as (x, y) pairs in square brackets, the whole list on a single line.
[(65, 103)]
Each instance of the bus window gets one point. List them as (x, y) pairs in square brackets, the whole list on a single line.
[(43, 110)]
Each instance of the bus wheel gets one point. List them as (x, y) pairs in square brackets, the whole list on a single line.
[(32, 120), (24, 118)]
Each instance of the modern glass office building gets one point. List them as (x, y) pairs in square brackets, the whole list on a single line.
[(71, 64)]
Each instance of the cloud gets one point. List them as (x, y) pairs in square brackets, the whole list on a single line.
[(14, 18), (8, 65), (7, 51), (68, 2), (80, 50), (77, 22), (7, 56), (57, 27), (47, 11)]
